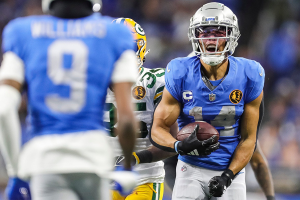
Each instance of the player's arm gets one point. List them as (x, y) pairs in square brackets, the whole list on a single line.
[(11, 80), (245, 148), (12, 77), (124, 75), (154, 154), (243, 152), (262, 173), (127, 127), (158, 154), (165, 116)]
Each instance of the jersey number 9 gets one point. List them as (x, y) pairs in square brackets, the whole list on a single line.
[(73, 76)]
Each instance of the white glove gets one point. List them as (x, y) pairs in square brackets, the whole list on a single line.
[(124, 181)]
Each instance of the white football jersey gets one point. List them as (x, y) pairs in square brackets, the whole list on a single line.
[(146, 93)]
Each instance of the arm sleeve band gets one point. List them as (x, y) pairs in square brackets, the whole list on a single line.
[(126, 68), (144, 156), (10, 129)]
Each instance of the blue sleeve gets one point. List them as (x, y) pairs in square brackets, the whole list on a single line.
[(256, 80), (123, 39), (173, 80), (11, 40)]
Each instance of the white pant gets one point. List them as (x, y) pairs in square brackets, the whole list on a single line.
[(73, 186), (192, 184), (81, 152)]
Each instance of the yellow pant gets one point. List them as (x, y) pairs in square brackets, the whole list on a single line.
[(148, 191)]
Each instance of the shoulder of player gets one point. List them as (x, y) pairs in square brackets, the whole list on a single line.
[(250, 68), (157, 73), (144, 70), (157, 78), (20, 23), (179, 67)]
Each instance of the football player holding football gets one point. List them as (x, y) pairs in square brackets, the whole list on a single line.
[(215, 87), (258, 163), (146, 93), (66, 60)]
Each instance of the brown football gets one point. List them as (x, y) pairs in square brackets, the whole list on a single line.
[(205, 131)]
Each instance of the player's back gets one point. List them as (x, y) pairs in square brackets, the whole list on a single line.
[(68, 66)]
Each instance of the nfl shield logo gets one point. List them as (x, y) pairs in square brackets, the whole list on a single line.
[(212, 97)]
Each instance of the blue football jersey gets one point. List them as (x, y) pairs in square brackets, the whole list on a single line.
[(222, 107), (68, 67)]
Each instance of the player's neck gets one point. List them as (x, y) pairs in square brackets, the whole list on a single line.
[(71, 9), (214, 73)]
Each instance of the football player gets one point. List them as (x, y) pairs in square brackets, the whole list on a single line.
[(146, 93), (67, 60), (258, 163), (215, 87)]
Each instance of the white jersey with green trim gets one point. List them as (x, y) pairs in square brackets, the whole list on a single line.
[(146, 93)]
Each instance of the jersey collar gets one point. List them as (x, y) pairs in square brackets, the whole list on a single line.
[(225, 83)]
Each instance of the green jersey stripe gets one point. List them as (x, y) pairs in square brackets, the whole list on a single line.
[(160, 89), (154, 193)]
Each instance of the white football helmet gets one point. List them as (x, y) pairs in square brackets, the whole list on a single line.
[(220, 19), (46, 4)]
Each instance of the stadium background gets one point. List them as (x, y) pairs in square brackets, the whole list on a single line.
[(269, 34)]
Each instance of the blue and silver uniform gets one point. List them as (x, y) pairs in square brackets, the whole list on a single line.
[(221, 107), (68, 67)]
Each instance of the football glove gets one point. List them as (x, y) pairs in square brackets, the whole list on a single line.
[(124, 181), (194, 147), (218, 184), (17, 189)]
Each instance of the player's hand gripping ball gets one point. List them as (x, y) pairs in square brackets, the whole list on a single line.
[(197, 139)]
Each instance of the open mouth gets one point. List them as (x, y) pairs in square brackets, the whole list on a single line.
[(211, 48)]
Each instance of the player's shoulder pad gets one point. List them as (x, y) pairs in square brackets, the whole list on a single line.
[(179, 67), (14, 24), (159, 72), (252, 69), (156, 73), (20, 25)]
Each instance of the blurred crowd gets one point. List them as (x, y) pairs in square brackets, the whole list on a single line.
[(269, 34)]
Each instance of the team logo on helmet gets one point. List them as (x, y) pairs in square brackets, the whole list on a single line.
[(236, 96), (139, 29), (139, 92)]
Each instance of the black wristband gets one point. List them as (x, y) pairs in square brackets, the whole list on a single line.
[(270, 197), (228, 176), (145, 156)]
